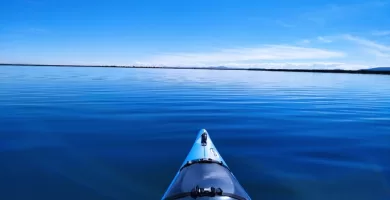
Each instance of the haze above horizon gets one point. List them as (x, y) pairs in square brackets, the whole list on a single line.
[(267, 34)]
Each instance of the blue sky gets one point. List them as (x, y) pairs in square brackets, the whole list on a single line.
[(247, 33)]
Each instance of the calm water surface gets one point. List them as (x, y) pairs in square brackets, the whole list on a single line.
[(104, 133)]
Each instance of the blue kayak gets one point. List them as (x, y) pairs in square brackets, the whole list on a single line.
[(205, 175)]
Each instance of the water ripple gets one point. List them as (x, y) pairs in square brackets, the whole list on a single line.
[(105, 133)]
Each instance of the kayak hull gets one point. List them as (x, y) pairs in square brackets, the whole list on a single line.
[(205, 168)]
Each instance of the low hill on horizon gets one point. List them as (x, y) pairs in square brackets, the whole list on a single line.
[(379, 69)]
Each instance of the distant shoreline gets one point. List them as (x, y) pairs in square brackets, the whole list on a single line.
[(338, 71)]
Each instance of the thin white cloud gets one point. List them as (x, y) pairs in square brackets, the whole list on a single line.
[(346, 52), (375, 53), (378, 53), (25, 30), (284, 24), (245, 55), (381, 33), (306, 41), (324, 40), (367, 43), (332, 13), (36, 30)]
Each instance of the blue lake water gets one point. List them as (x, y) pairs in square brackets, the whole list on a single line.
[(106, 133)]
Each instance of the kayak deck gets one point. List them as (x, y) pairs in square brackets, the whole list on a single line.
[(205, 175)]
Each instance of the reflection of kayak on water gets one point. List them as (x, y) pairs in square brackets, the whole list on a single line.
[(205, 175)]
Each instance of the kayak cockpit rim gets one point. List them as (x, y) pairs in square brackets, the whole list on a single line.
[(205, 192), (202, 160)]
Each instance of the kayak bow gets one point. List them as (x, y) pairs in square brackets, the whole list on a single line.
[(205, 175)]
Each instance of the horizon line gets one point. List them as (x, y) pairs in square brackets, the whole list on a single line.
[(358, 71)]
